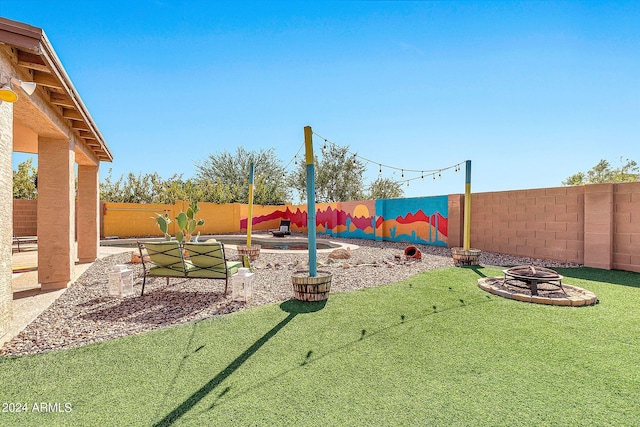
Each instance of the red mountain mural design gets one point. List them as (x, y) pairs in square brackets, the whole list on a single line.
[(336, 217)]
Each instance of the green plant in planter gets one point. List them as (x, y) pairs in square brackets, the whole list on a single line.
[(187, 223)]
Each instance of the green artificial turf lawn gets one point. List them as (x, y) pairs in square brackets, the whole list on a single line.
[(431, 350)]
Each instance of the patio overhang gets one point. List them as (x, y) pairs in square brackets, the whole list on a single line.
[(55, 110)]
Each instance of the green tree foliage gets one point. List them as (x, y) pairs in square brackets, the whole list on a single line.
[(603, 172), (225, 177), (24, 181), (385, 188), (148, 188), (339, 176)]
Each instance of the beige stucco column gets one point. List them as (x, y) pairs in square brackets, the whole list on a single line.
[(6, 214), (56, 213), (88, 213)]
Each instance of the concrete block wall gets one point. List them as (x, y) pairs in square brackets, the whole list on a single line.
[(539, 223), (596, 225), (626, 227), (25, 217), (456, 220)]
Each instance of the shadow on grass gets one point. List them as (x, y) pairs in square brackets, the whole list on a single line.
[(293, 307), (476, 269)]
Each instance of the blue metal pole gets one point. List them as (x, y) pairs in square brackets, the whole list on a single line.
[(311, 201)]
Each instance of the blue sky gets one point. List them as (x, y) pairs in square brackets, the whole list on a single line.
[(530, 92)]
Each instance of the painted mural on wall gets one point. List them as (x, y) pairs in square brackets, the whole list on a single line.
[(422, 220)]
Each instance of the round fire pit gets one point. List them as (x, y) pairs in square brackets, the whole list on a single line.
[(531, 276), (537, 285)]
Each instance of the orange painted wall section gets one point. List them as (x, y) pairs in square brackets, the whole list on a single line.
[(218, 218), (136, 220), (131, 219)]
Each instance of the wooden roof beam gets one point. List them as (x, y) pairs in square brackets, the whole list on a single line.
[(70, 114), (61, 100), (79, 125), (86, 134), (29, 60), (47, 80)]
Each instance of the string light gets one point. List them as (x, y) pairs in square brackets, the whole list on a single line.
[(420, 173)]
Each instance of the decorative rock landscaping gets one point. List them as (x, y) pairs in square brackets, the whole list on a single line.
[(85, 313)]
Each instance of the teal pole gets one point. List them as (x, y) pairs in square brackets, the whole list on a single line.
[(311, 202)]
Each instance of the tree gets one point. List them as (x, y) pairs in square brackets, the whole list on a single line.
[(385, 188), (604, 173), (24, 181), (148, 188), (338, 176), (226, 177)]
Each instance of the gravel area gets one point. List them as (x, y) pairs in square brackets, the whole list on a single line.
[(85, 313)]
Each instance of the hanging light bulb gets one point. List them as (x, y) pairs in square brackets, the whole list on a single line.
[(380, 171), (407, 183), (422, 175), (434, 177), (324, 147), (402, 173), (354, 160), (439, 174)]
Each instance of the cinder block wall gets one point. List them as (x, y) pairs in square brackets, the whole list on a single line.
[(540, 223), (595, 225), (25, 217), (626, 230)]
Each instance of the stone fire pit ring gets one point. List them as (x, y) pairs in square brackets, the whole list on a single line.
[(569, 295)]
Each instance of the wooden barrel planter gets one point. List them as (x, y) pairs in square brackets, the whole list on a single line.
[(307, 288), (465, 256), (253, 251)]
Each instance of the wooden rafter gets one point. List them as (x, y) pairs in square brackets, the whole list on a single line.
[(70, 114), (61, 100), (29, 60), (47, 80)]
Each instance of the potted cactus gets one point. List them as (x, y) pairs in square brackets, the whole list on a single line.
[(186, 222)]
